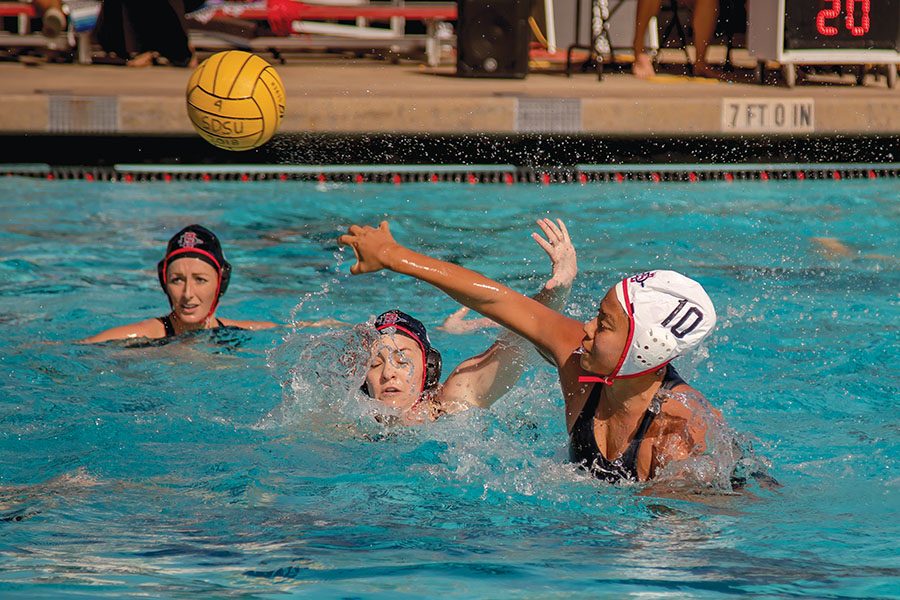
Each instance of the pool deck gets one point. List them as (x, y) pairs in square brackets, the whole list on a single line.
[(330, 94)]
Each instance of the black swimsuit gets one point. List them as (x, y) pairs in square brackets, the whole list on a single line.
[(170, 329), (583, 445)]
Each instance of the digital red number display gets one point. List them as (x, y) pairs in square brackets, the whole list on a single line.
[(826, 15), (850, 24)]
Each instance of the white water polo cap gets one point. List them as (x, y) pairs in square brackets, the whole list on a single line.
[(668, 315)]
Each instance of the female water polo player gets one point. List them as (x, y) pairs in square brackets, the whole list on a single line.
[(194, 275), (405, 369), (624, 418)]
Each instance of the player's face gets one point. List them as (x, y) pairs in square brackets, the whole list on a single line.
[(191, 285), (395, 371), (605, 336)]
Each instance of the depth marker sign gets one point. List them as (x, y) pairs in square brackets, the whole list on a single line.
[(768, 115)]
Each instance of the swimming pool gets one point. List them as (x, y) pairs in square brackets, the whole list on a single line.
[(246, 467)]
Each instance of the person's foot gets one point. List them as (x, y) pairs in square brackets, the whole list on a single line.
[(642, 68), (705, 71), (53, 22), (144, 59)]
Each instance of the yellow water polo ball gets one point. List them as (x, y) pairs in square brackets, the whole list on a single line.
[(235, 100)]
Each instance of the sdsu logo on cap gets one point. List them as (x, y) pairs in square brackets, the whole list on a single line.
[(642, 277), (189, 239), (389, 318)]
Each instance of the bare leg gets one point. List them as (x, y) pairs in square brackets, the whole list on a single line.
[(706, 15), (646, 10), (192, 64)]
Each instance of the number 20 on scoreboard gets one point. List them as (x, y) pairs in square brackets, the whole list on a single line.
[(855, 15)]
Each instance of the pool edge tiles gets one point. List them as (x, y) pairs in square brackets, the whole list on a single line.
[(404, 100)]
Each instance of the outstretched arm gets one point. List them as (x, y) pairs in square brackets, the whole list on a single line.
[(153, 329), (249, 325), (150, 329), (327, 322), (483, 379), (457, 322), (552, 332)]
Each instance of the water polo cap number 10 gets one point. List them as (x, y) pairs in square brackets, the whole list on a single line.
[(235, 100)]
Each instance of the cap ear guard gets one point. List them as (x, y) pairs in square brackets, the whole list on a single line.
[(224, 277), (653, 346), (433, 364)]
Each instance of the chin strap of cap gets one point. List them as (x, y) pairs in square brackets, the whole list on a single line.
[(595, 379)]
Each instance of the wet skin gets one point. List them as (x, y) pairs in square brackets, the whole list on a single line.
[(604, 337), (395, 371)]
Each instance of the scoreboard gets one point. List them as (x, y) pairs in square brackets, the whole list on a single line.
[(834, 32), (842, 24)]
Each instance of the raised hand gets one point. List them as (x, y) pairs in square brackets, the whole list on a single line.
[(559, 248), (370, 245)]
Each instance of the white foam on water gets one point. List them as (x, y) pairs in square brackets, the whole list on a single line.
[(517, 447)]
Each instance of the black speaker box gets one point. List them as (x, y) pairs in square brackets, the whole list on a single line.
[(492, 38)]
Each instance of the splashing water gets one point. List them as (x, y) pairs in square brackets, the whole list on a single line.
[(321, 378), (258, 469)]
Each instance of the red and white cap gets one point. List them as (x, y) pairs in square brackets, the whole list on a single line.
[(668, 313)]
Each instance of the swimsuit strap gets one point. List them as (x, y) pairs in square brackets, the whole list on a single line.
[(671, 379), (629, 457), (170, 329), (582, 445), (593, 401), (167, 325)]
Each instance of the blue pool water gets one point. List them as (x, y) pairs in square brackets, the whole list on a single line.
[(245, 465)]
